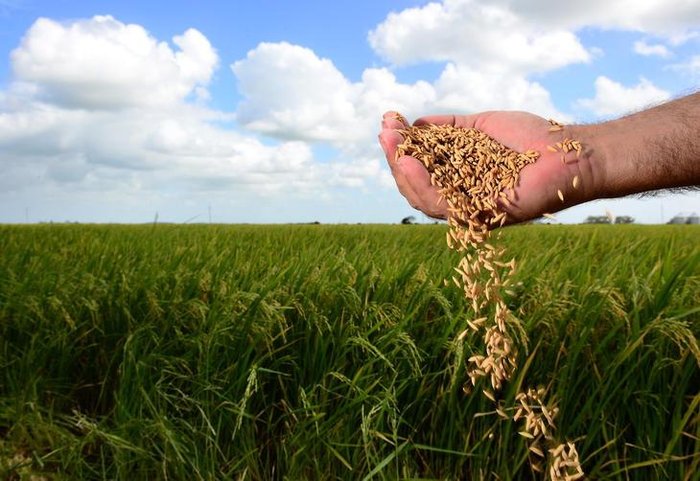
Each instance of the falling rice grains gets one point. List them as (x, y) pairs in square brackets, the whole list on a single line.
[(476, 176)]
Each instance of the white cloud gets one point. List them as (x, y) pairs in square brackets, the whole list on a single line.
[(103, 63), (489, 36), (643, 48), (613, 98), (677, 20), (34, 129), (525, 36), (690, 67), (108, 108), (290, 92), (102, 105), (177, 144), (462, 89)]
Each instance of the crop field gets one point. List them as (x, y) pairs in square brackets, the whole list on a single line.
[(162, 352)]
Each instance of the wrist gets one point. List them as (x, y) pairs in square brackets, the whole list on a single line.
[(649, 150), (593, 165), (611, 154)]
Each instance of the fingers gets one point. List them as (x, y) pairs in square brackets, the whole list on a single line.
[(389, 139), (425, 195), (411, 177), (394, 120)]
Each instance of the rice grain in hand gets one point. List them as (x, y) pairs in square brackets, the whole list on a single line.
[(476, 176)]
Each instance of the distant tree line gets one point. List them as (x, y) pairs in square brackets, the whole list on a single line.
[(604, 219)]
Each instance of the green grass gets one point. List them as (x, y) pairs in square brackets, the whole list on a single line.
[(329, 352)]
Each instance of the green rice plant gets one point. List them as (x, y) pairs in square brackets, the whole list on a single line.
[(331, 352)]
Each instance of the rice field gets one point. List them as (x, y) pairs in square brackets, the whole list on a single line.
[(204, 352)]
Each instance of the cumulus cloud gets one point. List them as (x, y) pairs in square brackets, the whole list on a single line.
[(612, 98), (104, 63), (462, 88), (489, 36), (290, 92), (100, 104), (678, 21), (179, 144), (643, 48)]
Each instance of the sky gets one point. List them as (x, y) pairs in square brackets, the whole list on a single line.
[(268, 111)]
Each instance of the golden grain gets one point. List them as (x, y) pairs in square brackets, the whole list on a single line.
[(399, 117), (489, 394), (536, 450), (476, 176)]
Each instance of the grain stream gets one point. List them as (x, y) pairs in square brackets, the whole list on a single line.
[(476, 177)]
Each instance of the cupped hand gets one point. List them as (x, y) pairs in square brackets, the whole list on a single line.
[(538, 189)]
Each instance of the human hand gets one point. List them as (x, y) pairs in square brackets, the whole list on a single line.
[(538, 189)]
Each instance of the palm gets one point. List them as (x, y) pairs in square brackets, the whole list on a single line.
[(536, 192)]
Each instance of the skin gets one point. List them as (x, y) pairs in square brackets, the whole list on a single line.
[(655, 149)]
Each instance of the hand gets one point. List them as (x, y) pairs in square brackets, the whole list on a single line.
[(537, 191)]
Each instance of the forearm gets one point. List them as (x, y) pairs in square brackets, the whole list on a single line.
[(650, 150)]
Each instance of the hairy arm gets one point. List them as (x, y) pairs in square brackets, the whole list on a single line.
[(651, 150), (654, 149)]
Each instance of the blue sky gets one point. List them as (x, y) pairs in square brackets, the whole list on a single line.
[(268, 111)]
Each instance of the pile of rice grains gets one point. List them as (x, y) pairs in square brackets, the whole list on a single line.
[(475, 175)]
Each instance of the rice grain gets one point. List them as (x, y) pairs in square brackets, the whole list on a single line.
[(476, 177)]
